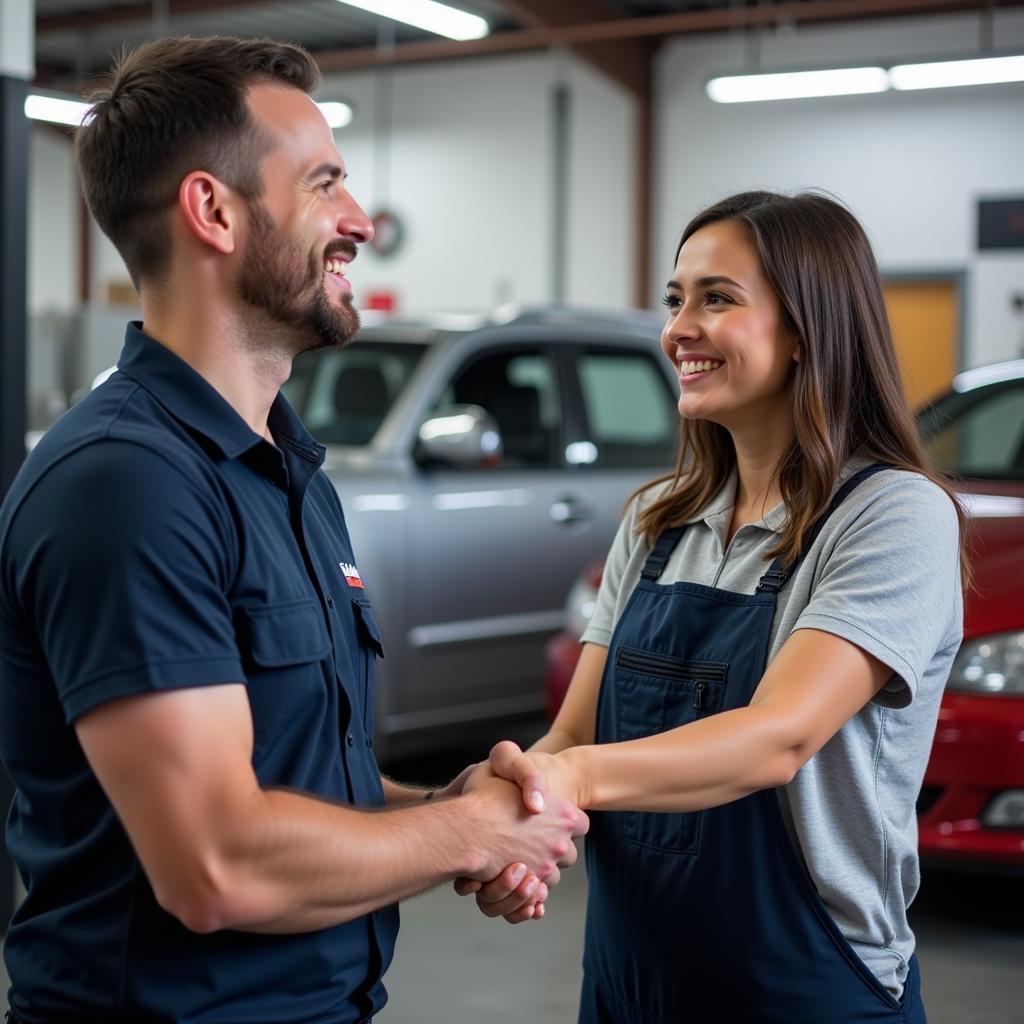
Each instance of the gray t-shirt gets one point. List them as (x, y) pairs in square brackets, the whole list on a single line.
[(884, 574)]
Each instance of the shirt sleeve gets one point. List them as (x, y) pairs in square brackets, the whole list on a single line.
[(599, 629), (891, 584), (122, 572)]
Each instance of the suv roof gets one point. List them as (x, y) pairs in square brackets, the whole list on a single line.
[(430, 324)]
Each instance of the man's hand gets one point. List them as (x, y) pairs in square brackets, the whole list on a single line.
[(540, 840), (517, 893)]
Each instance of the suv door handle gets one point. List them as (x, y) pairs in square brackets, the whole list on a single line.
[(570, 510)]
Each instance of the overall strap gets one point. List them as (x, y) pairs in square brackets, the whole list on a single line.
[(775, 578), (661, 552)]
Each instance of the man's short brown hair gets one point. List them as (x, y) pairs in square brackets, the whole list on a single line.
[(171, 107)]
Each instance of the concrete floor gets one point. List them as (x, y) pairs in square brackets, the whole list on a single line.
[(453, 966)]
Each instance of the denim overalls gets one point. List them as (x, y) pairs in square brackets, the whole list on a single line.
[(709, 917)]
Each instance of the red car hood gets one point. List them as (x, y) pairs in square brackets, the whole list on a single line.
[(996, 539)]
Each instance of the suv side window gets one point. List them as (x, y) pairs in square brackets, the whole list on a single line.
[(630, 410), (519, 388)]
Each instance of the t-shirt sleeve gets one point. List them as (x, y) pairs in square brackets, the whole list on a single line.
[(891, 584), (602, 622), (122, 572)]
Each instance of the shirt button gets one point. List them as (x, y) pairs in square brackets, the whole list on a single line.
[(350, 740)]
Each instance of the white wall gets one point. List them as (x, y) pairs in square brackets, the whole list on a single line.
[(52, 223), (471, 158), (470, 150), (910, 165)]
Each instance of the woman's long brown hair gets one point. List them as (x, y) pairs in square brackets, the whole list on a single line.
[(847, 393)]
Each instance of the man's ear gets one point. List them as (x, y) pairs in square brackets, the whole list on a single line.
[(210, 210)]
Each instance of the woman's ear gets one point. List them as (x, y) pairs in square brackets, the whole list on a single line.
[(796, 354)]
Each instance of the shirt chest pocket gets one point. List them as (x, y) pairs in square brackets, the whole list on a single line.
[(656, 693), (283, 647), (371, 647)]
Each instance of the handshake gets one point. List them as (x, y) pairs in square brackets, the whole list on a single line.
[(526, 811)]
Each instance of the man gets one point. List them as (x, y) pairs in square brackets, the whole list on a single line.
[(186, 655)]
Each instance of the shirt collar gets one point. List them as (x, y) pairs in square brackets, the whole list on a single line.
[(192, 400), (717, 513), (718, 510)]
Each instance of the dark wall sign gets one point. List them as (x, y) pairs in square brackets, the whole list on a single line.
[(1001, 224)]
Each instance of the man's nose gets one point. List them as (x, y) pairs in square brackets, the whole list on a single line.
[(353, 222)]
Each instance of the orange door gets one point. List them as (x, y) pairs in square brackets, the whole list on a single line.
[(925, 323)]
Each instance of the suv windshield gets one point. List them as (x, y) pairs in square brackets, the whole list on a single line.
[(343, 395), (979, 433)]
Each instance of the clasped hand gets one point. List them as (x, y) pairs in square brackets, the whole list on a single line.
[(518, 894)]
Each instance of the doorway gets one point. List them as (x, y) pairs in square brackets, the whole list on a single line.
[(926, 316)]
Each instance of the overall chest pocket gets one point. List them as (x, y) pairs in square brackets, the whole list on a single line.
[(658, 692), (283, 646)]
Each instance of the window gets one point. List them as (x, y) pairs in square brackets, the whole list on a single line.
[(979, 433), (630, 410), (343, 395), (520, 390)]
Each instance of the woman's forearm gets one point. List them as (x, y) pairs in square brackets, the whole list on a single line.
[(702, 764), (817, 682), (554, 741)]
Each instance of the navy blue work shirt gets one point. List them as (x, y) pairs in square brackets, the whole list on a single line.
[(152, 541)]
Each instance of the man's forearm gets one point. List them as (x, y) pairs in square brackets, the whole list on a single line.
[(293, 863), (280, 861)]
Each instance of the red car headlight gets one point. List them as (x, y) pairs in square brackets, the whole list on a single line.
[(582, 599), (992, 664)]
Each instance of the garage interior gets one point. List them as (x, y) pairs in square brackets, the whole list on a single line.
[(554, 160)]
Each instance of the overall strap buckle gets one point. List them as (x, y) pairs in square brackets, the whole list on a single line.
[(661, 552), (773, 580)]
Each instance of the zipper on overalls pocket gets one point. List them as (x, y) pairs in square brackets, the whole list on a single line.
[(667, 666), (698, 697)]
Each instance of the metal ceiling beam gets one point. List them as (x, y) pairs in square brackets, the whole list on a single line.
[(131, 12), (651, 26), (625, 61)]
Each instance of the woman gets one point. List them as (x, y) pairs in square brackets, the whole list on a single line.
[(751, 716)]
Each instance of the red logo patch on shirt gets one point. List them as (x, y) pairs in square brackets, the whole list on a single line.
[(351, 574)]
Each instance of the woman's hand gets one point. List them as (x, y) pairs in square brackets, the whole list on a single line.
[(537, 774), (458, 784)]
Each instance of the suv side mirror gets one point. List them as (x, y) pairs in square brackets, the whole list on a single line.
[(462, 436)]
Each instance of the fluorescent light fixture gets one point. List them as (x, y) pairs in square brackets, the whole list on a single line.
[(337, 114), (943, 74), (428, 15), (788, 85), (55, 110)]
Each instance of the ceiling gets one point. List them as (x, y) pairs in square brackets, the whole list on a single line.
[(76, 39)]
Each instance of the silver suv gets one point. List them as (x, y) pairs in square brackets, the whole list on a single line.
[(480, 463)]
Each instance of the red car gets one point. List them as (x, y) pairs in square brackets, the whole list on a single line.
[(971, 807)]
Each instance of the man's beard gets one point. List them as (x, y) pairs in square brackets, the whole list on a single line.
[(275, 278)]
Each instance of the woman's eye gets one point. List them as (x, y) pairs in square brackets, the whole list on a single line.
[(716, 298), (671, 302)]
